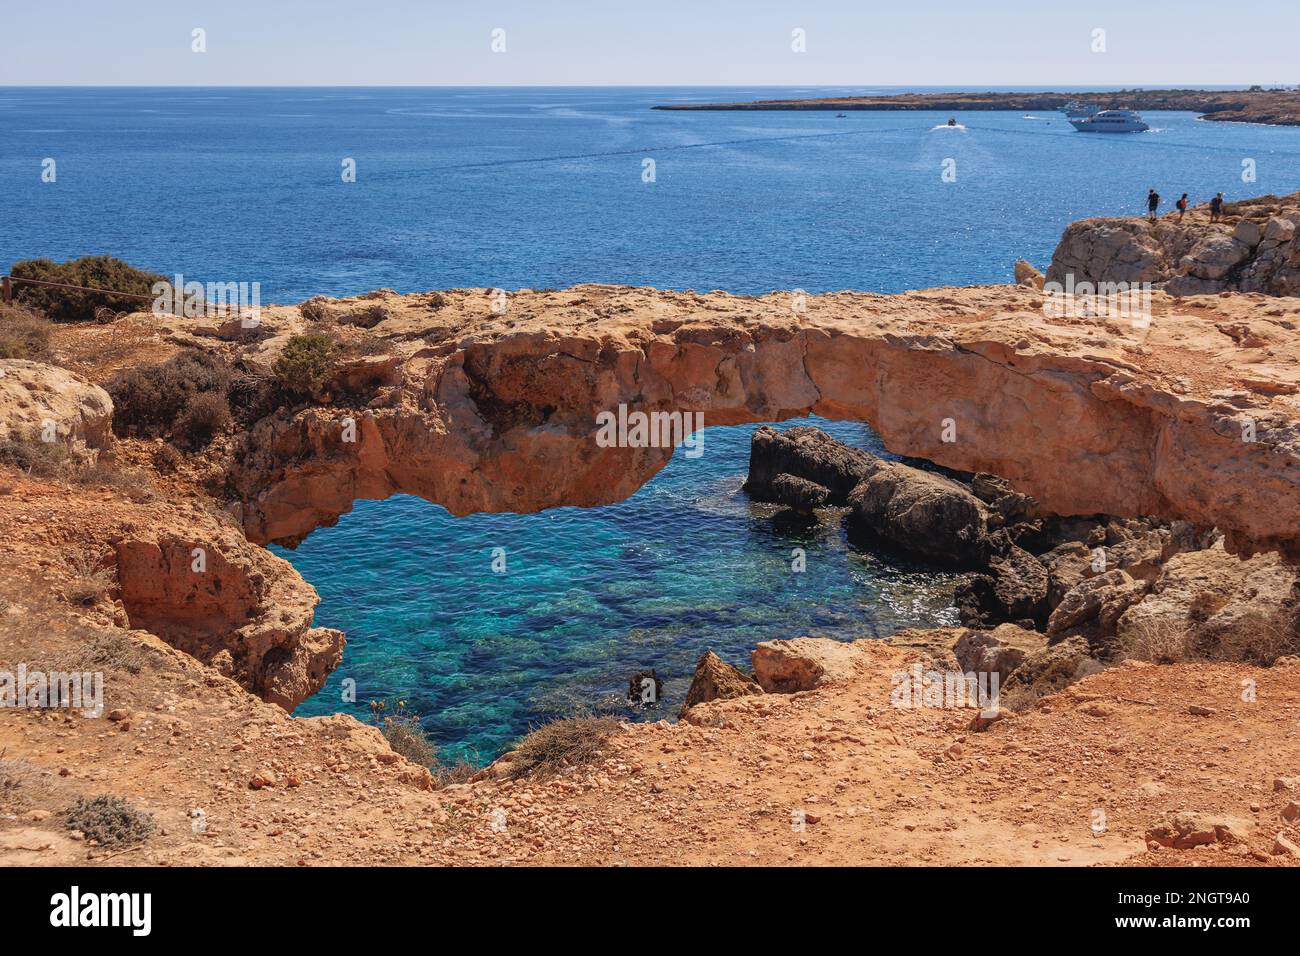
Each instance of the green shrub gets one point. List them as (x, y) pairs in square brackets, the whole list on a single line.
[(110, 821), (24, 334), (153, 401), (98, 272), (306, 364)]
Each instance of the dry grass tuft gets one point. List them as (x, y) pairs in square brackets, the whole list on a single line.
[(566, 742), (20, 783)]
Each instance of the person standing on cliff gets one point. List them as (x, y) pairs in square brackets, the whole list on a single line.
[(1216, 207), (1182, 206), (1153, 202)]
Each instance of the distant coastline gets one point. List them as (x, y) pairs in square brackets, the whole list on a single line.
[(1276, 107)]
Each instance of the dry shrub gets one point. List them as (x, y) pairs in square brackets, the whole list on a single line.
[(1160, 640), (305, 364), (37, 458), (565, 742), (205, 416), (24, 333), (20, 783), (153, 401), (109, 821), (316, 310), (104, 651), (1257, 636), (91, 581)]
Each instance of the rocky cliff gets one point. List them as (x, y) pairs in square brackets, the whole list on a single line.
[(498, 412), (1252, 249)]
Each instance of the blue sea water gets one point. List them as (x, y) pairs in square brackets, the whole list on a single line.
[(544, 187)]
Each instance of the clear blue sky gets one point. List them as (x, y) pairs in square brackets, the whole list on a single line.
[(689, 42)]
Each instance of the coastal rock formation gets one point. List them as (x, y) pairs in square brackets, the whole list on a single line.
[(809, 454), (179, 572), (498, 412), (999, 651), (922, 512), (1253, 249), (715, 679), (247, 612), (804, 663), (1209, 604), (42, 403)]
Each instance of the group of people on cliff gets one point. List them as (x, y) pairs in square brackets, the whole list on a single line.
[(1153, 203)]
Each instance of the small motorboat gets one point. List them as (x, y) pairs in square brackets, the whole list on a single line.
[(1111, 121), (951, 121), (841, 115)]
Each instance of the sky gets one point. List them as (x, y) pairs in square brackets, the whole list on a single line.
[(994, 43)]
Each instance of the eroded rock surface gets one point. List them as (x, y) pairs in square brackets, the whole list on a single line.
[(1086, 416), (1252, 249)]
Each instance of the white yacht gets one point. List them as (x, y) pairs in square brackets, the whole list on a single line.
[(1076, 110), (1111, 121)]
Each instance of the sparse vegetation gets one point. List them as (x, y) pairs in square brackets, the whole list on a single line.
[(205, 416), (24, 334), (316, 310), (20, 783), (90, 582), (566, 742), (404, 732), (97, 272), (105, 651), (155, 401), (306, 364), (110, 821), (36, 458), (1259, 636)]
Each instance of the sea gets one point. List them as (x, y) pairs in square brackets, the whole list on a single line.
[(488, 625)]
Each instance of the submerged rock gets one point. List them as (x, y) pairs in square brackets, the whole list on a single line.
[(799, 493), (922, 513), (805, 453)]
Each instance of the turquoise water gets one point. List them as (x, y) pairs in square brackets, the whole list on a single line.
[(543, 188)]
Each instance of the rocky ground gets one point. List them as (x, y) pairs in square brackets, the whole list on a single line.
[(1099, 488), (1275, 107)]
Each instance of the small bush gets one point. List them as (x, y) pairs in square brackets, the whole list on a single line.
[(566, 742), (206, 414), (36, 458), (1258, 636), (104, 651), (90, 581), (316, 310), (404, 732), (97, 272), (306, 363), (110, 821), (150, 401), (24, 334), (20, 781), (167, 459)]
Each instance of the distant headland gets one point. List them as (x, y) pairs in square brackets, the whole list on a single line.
[(1279, 107)]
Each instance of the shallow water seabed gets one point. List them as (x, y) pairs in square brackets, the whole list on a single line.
[(590, 596)]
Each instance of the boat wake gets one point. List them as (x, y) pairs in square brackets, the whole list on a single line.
[(947, 126)]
